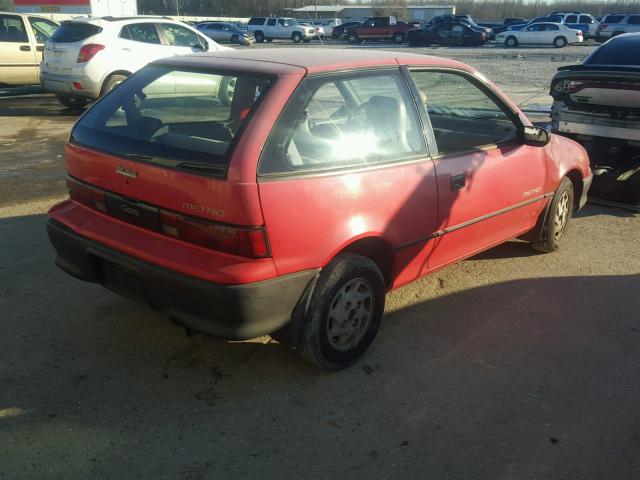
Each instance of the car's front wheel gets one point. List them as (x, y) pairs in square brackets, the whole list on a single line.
[(296, 37), (75, 103), (353, 38), (557, 220), (344, 312), (398, 38)]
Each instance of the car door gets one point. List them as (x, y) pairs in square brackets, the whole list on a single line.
[(590, 23), (270, 29), (456, 36), (214, 31), (139, 44), (490, 185), (529, 34), (180, 40), (18, 60), (347, 160), (443, 33)]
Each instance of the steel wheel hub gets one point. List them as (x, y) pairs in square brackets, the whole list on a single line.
[(562, 215), (350, 314)]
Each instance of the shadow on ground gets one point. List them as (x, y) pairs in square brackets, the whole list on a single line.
[(527, 379)]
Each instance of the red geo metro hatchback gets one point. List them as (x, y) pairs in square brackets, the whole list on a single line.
[(328, 178)]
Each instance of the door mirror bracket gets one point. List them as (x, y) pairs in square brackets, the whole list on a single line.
[(536, 136)]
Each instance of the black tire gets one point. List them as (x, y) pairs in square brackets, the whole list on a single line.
[(259, 36), (296, 37), (226, 89), (560, 42), (353, 38), (511, 42), (344, 273), (554, 229), (111, 82), (235, 38), (74, 103), (398, 37)]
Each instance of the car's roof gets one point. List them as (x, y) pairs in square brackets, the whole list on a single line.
[(313, 60)]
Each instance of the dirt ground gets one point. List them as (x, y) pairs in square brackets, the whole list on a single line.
[(511, 365)]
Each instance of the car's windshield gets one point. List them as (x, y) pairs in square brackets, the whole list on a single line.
[(169, 116)]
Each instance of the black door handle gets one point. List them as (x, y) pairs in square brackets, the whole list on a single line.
[(458, 182), (25, 48)]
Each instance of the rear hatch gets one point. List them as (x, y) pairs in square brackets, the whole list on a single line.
[(62, 51), (155, 151)]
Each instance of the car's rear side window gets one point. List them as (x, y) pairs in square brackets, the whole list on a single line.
[(257, 21), (168, 116), (141, 32), (634, 20), (344, 121), (71, 32), (613, 19)]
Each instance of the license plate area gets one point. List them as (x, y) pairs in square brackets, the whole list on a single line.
[(119, 278), (133, 212)]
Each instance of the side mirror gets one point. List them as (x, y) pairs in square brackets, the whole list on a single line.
[(199, 46), (536, 136)]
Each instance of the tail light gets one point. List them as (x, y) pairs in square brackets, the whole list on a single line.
[(249, 242), (246, 242), (604, 26), (86, 195), (87, 52)]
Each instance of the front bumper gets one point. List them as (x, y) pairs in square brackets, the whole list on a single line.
[(237, 312), (64, 85), (586, 185)]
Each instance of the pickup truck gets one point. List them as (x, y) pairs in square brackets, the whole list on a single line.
[(22, 37), (379, 28)]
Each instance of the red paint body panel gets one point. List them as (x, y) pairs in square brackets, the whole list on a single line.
[(310, 219), (158, 186), (496, 179)]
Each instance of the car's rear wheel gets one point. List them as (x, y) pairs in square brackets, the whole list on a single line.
[(344, 312), (398, 37), (511, 42), (560, 42), (75, 103), (296, 37), (259, 36), (112, 82), (353, 38), (557, 220)]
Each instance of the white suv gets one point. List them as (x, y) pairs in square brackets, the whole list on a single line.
[(268, 28), (87, 57)]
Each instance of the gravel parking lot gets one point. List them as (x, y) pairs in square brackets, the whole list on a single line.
[(509, 365)]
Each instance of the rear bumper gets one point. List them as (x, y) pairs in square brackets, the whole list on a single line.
[(237, 312), (597, 125), (63, 85)]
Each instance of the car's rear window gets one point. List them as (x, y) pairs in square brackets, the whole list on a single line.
[(70, 32), (613, 19), (176, 118), (619, 51)]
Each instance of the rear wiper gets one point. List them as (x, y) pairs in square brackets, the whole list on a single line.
[(202, 167)]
